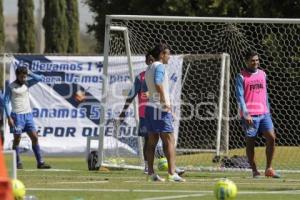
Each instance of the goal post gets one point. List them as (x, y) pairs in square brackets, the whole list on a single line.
[(213, 126), (101, 138), (195, 65), (190, 62)]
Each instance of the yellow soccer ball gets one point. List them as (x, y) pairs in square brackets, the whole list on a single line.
[(18, 188), (225, 189), (162, 164)]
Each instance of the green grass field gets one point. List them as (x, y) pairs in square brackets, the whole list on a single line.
[(70, 180), (284, 158)]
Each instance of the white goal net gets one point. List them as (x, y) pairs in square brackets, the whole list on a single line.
[(201, 42)]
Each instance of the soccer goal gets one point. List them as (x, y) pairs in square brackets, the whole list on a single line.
[(207, 55)]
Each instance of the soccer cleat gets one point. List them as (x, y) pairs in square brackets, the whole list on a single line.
[(256, 174), (43, 166), (179, 171), (146, 170), (175, 178), (271, 173), (19, 166), (155, 178)]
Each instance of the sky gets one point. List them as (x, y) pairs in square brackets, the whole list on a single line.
[(10, 8)]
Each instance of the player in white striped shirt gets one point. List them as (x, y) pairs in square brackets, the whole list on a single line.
[(159, 117), (20, 119)]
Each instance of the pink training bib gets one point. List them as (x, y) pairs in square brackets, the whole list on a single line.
[(255, 92)]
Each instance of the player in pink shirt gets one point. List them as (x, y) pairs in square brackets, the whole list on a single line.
[(252, 97)]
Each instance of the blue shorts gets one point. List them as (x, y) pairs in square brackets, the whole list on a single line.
[(23, 123), (261, 123), (142, 127), (158, 121)]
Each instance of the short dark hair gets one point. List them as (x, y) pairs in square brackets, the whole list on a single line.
[(21, 70), (149, 56), (157, 50), (250, 54)]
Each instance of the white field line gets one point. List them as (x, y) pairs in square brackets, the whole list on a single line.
[(49, 170), (174, 197), (84, 182), (234, 178), (270, 184), (238, 180), (112, 190), (287, 192)]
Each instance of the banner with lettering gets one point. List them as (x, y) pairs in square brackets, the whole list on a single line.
[(66, 105)]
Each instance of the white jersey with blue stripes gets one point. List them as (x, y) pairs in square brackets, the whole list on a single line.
[(18, 95), (19, 98), (156, 74)]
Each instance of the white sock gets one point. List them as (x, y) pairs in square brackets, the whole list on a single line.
[(146, 163)]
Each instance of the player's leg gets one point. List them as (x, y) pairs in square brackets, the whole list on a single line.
[(250, 145), (251, 132), (159, 153), (16, 142), (152, 141), (170, 152), (145, 154), (270, 147), (151, 144), (17, 130), (143, 133), (165, 125), (168, 143), (31, 132), (267, 128), (153, 137)]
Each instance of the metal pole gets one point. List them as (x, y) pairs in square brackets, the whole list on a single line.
[(227, 108), (104, 93), (135, 104), (220, 111)]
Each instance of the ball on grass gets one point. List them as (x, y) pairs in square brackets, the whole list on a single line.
[(225, 189), (18, 188), (162, 164)]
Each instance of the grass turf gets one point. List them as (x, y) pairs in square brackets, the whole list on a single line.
[(70, 180)]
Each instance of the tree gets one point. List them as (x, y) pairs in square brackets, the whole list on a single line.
[(225, 8), (2, 35), (56, 26), (26, 32), (73, 26)]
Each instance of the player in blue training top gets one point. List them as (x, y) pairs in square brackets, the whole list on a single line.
[(252, 96), (20, 119), (159, 117)]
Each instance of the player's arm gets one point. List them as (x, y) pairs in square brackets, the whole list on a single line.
[(34, 79), (158, 80), (131, 95), (7, 99), (239, 90)]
